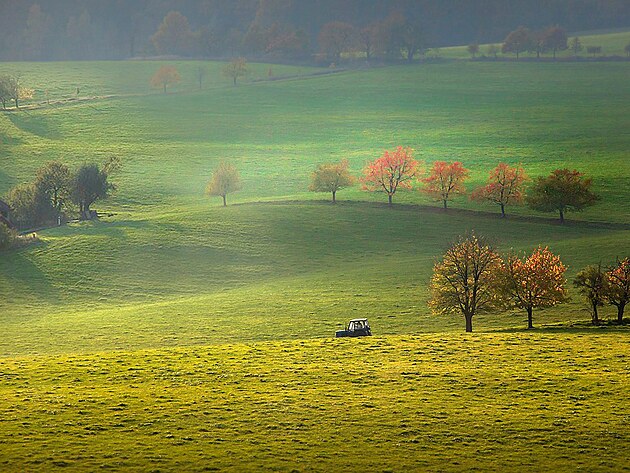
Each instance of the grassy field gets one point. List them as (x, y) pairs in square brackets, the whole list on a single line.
[(481, 402), (613, 43), (175, 334)]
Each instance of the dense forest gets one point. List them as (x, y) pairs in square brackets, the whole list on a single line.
[(115, 29)]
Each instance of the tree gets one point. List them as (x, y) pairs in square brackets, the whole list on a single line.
[(165, 76), (473, 49), (554, 38), (30, 206), (368, 39), (395, 169), (618, 286), (235, 69), (533, 282), (201, 72), (412, 39), (225, 180), (335, 38), (331, 177), (54, 180), (504, 186), (561, 191), (464, 280), (444, 180), (8, 236), (11, 88), (594, 50), (173, 36), (592, 283), (518, 41), (492, 50), (575, 45), (91, 183)]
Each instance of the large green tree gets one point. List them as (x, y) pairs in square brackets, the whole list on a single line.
[(561, 191)]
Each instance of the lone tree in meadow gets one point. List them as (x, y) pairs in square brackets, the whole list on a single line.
[(561, 191), (504, 186), (394, 170), (91, 183), (473, 50), (592, 283), (532, 282), (445, 180), (331, 177), (165, 76), (235, 69), (464, 281), (618, 286), (225, 180)]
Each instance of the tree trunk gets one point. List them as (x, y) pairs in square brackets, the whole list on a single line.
[(595, 314), (334, 198), (561, 215), (17, 105), (234, 78), (502, 210), (164, 88), (620, 309), (389, 198), (530, 318), (445, 202), (468, 323), (224, 200)]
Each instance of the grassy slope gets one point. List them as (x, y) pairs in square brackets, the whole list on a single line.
[(612, 43), (111, 285), (482, 402)]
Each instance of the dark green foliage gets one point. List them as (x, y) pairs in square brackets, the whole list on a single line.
[(7, 236), (88, 185), (31, 206), (562, 190), (54, 180)]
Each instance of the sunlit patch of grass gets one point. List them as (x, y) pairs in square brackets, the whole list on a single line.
[(509, 402)]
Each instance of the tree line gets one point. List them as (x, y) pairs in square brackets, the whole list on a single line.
[(113, 29), (59, 193), (472, 277)]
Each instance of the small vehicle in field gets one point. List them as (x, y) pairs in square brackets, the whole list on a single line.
[(356, 328)]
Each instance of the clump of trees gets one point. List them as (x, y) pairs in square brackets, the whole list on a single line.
[(8, 236), (58, 192), (12, 90), (225, 180), (472, 277)]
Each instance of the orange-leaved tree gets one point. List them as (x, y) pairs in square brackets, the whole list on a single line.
[(618, 290), (444, 180), (331, 177), (465, 279), (165, 76), (534, 281), (395, 169), (504, 186), (225, 180)]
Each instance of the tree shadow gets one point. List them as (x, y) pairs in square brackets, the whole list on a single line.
[(35, 125)]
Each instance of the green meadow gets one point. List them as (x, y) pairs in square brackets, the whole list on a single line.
[(176, 334)]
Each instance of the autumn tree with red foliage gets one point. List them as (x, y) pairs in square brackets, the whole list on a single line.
[(618, 287), (504, 186), (465, 280), (531, 282), (445, 180), (395, 169)]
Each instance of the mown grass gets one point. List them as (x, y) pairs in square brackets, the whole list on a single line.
[(482, 402)]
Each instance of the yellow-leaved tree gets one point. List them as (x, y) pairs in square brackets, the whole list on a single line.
[(331, 177), (225, 180)]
